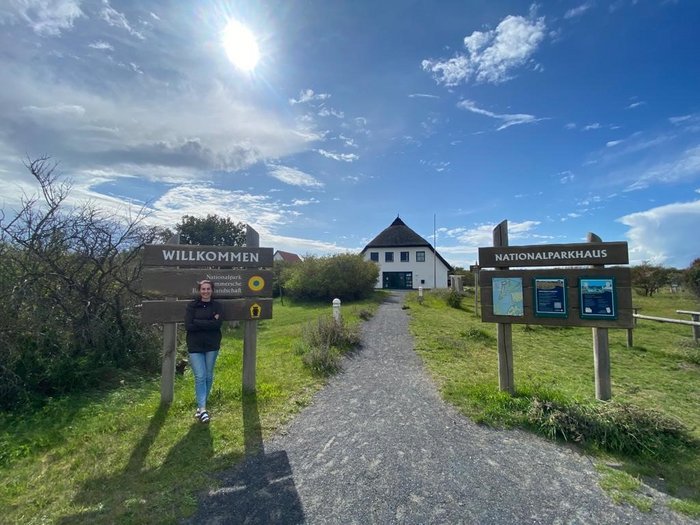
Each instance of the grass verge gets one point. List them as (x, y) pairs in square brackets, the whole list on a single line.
[(119, 457), (651, 428)]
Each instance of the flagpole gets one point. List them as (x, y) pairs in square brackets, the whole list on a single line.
[(434, 251)]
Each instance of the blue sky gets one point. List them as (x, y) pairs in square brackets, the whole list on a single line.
[(562, 117)]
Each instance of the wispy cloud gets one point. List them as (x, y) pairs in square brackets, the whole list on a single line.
[(636, 104), (508, 119), (345, 157), (100, 44), (45, 17), (685, 167), (491, 56), (294, 177), (594, 125), (116, 19), (578, 11), (613, 143), (308, 95), (421, 95)]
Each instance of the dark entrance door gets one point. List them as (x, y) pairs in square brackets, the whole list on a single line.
[(397, 280)]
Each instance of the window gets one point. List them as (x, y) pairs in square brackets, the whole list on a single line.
[(420, 256), (374, 256), (389, 257), (404, 256)]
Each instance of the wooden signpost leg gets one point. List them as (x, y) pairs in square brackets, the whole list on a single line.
[(167, 378), (601, 362), (506, 382), (250, 330), (601, 353)]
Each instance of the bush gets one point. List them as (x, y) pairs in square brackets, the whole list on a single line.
[(69, 281), (612, 426), (346, 277), (324, 342), (454, 299)]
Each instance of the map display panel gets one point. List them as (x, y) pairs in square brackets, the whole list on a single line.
[(508, 296)]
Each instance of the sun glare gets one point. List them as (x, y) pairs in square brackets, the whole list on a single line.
[(240, 46)]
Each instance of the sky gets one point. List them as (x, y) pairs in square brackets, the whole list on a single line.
[(331, 118)]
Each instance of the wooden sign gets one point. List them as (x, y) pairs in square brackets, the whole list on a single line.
[(234, 310), (203, 256), (594, 297), (578, 254), (182, 283)]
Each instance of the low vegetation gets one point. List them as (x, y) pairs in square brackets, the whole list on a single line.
[(117, 456), (323, 343), (652, 426)]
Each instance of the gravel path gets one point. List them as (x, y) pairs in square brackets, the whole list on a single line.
[(378, 445)]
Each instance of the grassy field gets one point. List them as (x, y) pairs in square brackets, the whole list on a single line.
[(120, 457), (661, 373)]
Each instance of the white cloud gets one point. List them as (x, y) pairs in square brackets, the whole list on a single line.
[(566, 177), (45, 17), (421, 95), (613, 143), (116, 19), (594, 125), (635, 105), (685, 167), (345, 157), (491, 56), (56, 110), (508, 119), (327, 112), (578, 11), (100, 44), (308, 95), (482, 235), (662, 235), (293, 177)]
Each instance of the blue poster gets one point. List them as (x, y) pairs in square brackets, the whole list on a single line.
[(550, 297), (597, 298)]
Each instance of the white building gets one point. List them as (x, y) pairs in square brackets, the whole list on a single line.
[(406, 260)]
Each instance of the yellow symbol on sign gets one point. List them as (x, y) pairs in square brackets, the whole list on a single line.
[(256, 283), (255, 311)]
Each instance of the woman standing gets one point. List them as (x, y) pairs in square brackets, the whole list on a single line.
[(203, 323)]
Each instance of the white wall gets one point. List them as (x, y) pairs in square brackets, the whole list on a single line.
[(422, 271)]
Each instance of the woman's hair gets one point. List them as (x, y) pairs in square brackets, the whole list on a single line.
[(205, 281)]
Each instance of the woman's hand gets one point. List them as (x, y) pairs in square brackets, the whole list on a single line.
[(216, 316)]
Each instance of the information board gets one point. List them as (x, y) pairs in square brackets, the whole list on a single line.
[(550, 297), (597, 298)]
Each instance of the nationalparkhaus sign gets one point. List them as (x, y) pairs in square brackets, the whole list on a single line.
[(582, 254), (178, 255)]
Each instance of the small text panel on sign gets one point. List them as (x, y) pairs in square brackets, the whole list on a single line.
[(182, 283), (234, 310)]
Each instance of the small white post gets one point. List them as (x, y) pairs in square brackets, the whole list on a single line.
[(336, 310), (420, 295)]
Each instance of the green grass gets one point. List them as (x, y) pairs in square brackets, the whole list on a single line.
[(655, 385), (120, 457)]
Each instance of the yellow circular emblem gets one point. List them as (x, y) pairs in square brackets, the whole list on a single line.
[(256, 283)]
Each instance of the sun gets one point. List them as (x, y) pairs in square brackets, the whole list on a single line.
[(240, 45)]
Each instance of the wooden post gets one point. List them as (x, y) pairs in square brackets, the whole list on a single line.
[(250, 329), (167, 375), (504, 330), (601, 352), (630, 336)]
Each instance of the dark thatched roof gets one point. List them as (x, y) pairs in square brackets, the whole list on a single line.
[(398, 235)]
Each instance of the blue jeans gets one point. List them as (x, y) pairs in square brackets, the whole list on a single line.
[(202, 364)]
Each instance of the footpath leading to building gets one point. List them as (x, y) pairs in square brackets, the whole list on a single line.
[(378, 445)]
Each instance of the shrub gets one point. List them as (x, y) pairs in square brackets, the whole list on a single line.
[(454, 299), (324, 342), (346, 277), (69, 279), (612, 426)]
